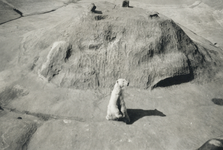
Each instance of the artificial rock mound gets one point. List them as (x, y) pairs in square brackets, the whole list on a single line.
[(117, 43), (58, 55)]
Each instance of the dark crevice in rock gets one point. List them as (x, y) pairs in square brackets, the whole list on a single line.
[(218, 101), (46, 12), (19, 12), (175, 80), (191, 70), (1, 108), (19, 118), (28, 137), (68, 54), (100, 17), (41, 116), (9, 20), (97, 82), (34, 63), (40, 13)]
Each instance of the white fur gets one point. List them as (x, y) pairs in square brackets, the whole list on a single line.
[(116, 106), (216, 143)]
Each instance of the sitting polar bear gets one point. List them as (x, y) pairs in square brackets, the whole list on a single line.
[(116, 107)]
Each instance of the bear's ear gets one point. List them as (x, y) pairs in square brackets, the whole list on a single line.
[(117, 81)]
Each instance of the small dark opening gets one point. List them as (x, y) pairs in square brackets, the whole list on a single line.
[(19, 118), (19, 12), (100, 17), (68, 54), (97, 12), (174, 80), (154, 15), (218, 101)]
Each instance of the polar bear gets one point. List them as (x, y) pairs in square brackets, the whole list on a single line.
[(116, 107)]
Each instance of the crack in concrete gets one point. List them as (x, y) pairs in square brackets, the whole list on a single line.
[(10, 20), (44, 117), (14, 9), (19, 12), (45, 12), (4, 139), (31, 14), (7, 3)]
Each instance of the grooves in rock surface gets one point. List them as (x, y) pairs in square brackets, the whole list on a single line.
[(119, 43)]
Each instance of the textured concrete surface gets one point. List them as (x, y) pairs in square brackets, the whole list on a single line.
[(35, 114)]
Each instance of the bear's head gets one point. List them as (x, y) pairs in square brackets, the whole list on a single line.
[(122, 83)]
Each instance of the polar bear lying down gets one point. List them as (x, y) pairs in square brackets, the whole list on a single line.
[(116, 106)]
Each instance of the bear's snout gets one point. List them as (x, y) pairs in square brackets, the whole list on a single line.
[(128, 84)]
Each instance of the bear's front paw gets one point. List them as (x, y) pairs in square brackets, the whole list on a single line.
[(108, 117), (118, 115)]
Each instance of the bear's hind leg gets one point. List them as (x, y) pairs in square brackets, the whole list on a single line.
[(113, 115), (125, 114), (108, 117)]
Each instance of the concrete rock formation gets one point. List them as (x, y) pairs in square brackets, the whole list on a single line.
[(41, 6), (212, 144), (108, 46), (113, 42), (125, 3), (7, 13), (15, 133), (92, 7), (10, 93), (154, 14), (58, 55)]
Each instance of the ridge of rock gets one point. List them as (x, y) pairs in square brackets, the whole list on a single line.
[(121, 43)]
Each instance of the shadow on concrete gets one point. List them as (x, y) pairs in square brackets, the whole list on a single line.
[(136, 114)]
